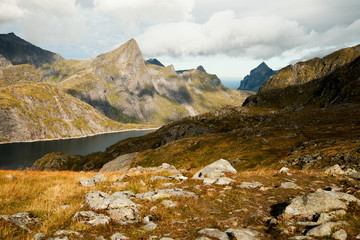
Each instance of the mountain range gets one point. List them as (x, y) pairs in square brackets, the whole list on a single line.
[(119, 84)]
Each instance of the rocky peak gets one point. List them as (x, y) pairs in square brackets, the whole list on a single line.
[(19, 51), (154, 61), (257, 77), (200, 68)]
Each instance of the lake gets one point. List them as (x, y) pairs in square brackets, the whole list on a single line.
[(23, 155)]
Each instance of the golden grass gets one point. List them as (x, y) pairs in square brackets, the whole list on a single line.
[(42, 193)]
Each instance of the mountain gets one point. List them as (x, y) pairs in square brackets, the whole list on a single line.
[(123, 87), (32, 110), (257, 77), (341, 84), (19, 51), (154, 62), (303, 72)]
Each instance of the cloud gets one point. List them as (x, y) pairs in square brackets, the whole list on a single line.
[(9, 10), (224, 33)]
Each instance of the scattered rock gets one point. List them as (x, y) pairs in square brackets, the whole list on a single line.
[(65, 233), (118, 236), (284, 170), (39, 236), (224, 181), (91, 218), (209, 181), (340, 235), (92, 181), (23, 220), (300, 238), (10, 177), (150, 226), (120, 164), (289, 185), (336, 169), (122, 177), (214, 233), (250, 185), (169, 203), (165, 193), (242, 234), (164, 167), (64, 207), (154, 178), (178, 177), (215, 170), (327, 217), (166, 238), (324, 229)]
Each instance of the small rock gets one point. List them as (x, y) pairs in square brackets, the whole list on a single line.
[(289, 185), (336, 169), (39, 236), (224, 181), (340, 235), (64, 207), (166, 238), (87, 183), (284, 170), (169, 203), (153, 209), (91, 218), (147, 219), (118, 236), (300, 237), (209, 181), (327, 217), (10, 177), (178, 177), (167, 184), (250, 185), (142, 182), (214, 233), (242, 234), (65, 233), (154, 178), (165, 193), (122, 177), (324, 229), (150, 226), (98, 178)]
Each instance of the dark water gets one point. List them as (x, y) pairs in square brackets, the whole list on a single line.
[(22, 155)]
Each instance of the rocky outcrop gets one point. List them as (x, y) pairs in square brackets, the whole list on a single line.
[(19, 74), (41, 111), (315, 68), (119, 164), (257, 78), (19, 51), (23, 220), (4, 62), (215, 170)]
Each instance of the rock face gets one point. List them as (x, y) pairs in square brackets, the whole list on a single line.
[(119, 164), (317, 83), (18, 74), (123, 87), (154, 61), (257, 77), (4, 62), (41, 111), (23, 220), (19, 51)]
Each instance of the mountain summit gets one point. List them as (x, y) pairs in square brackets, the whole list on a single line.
[(257, 77), (19, 51)]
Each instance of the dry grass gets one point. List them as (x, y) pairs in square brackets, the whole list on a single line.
[(42, 193)]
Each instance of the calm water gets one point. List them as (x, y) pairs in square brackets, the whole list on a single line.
[(22, 155)]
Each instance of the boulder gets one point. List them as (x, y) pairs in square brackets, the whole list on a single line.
[(340, 235), (336, 169), (39, 236), (23, 220), (150, 226), (87, 183), (92, 181), (120, 164), (215, 170), (224, 181), (10, 177), (118, 236), (65, 233), (91, 218), (250, 185), (289, 185), (95, 199), (318, 202)]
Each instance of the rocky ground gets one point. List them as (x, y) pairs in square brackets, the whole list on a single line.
[(215, 202)]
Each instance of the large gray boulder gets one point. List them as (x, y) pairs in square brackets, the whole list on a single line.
[(324, 229), (213, 233), (120, 164), (318, 202), (242, 234), (91, 218), (93, 181), (215, 170)]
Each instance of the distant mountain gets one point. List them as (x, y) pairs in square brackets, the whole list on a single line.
[(199, 68), (336, 81), (154, 62), (19, 51), (257, 77), (123, 87), (303, 72)]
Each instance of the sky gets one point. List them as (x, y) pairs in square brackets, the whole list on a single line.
[(227, 37)]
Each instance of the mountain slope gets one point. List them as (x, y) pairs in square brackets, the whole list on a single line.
[(123, 87), (19, 51), (303, 72), (257, 77)]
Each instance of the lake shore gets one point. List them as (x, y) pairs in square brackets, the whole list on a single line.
[(83, 136)]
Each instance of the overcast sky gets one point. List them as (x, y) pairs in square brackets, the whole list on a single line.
[(227, 37)]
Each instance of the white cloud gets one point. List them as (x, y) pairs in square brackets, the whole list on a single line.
[(224, 33), (9, 10)]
